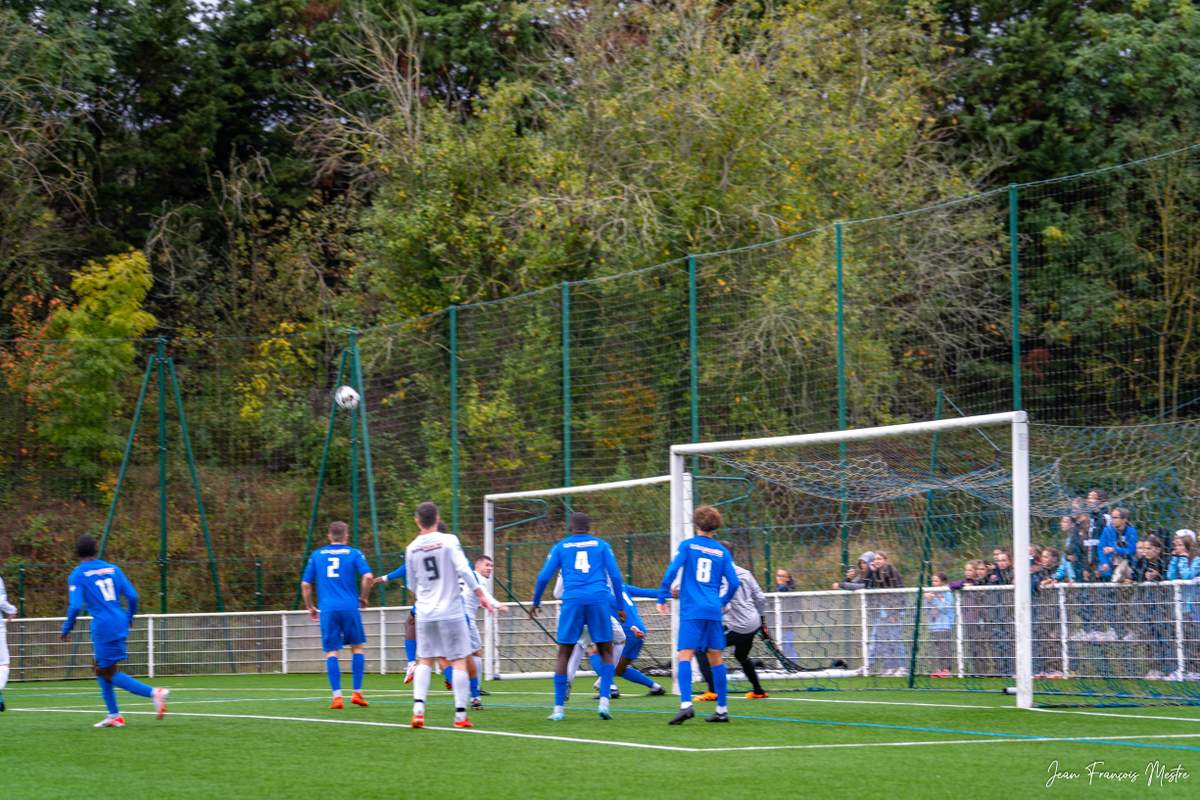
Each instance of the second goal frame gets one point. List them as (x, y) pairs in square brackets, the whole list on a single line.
[(1017, 421)]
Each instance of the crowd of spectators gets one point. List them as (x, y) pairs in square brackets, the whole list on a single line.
[(1096, 544)]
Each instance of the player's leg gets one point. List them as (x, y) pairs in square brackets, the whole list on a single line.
[(706, 673), (742, 643), (570, 626), (683, 658), (599, 625), (410, 645), (332, 641), (104, 675), (358, 669), (4, 661), (456, 639), (715, 644), (626, 670), (428, 644), (574, 661)]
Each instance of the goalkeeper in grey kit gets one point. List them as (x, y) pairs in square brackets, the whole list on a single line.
[(743, 619)]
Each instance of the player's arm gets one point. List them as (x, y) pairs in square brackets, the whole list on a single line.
[(306, 586), (638, 591), (6, 607), (131, 595), (664, 588), (366, 579), (74, 606), (543, 577), (396, 574), (734, 582), (614, 578)]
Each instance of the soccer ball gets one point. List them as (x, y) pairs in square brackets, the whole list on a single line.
[(346, 398)]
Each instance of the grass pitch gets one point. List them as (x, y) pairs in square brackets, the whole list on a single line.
[(273, 736)]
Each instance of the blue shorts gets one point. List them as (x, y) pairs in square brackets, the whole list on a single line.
[(341, 628), (573, 616), (110, 652), (633, 646), (701, 635)]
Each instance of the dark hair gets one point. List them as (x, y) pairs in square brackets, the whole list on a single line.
[(441, 527), (1121, 512), (941, 576), (484, 558), (86, 547), (580, 522), (339, 531), (706, 518), (427, 515)]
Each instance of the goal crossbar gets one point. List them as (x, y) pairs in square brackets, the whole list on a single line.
[(681, 502)]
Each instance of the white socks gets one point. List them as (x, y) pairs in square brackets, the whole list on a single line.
[(421, 688), (462, 688)]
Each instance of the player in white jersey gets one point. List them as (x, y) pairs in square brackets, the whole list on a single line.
[(436, 564), (7, 611), (483, 570)]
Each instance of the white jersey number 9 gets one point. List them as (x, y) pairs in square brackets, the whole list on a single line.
[(703, 569), (581, 562)]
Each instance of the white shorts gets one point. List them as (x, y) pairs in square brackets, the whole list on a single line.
[(443, 638), (473, 631), (618, 635)]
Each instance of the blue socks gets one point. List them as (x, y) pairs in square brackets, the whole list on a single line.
[(560, 689), (722, 686), (685, 683), (108, 693), (475, 686), (597, 666), (448, 674), (410, 650), (334, 670), (632, 675), (606, 678), (358, 665), (131, 685)]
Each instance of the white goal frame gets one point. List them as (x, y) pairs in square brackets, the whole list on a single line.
[(681, 503), (491, 653)]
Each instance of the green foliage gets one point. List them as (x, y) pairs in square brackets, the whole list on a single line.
[(86, 392)]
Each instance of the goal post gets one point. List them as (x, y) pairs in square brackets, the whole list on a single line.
[(617, 507), (876, 473)]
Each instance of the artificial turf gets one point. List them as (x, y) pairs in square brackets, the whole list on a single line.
[(273, 736)]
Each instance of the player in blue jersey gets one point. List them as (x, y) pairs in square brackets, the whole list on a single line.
[(635, 638), (588, 568), (343, 580), (700, 564), (99, 586)]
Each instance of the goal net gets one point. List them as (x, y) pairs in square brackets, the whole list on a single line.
[(519, 530), (903, 497)]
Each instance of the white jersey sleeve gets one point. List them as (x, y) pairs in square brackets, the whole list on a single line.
[(5, 606)]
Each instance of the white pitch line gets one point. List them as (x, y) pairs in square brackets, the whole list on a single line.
[(669, 748), (367, 723), (1112, 714)]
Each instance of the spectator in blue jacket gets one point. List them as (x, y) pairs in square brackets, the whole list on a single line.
[(1184, 564), (1118, 544)]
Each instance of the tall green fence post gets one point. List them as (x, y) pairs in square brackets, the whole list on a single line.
[(693, 350), (160, 367), (508, 563), (454, 421), (321, 470), (354, 457), (195, 476), (137, 418), (629, 560), (926, 548), (767, 572), (259, 599), (843, 507), (566, 389), (372, 507), (21, 590), (1014, 284)]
